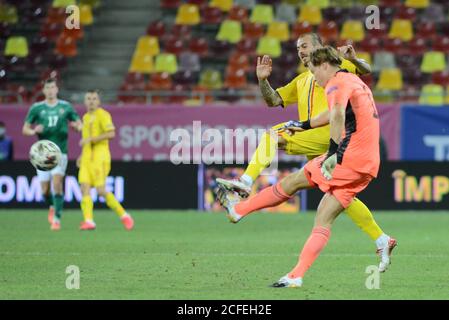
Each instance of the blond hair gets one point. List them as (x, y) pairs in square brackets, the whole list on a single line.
[(326, 54)]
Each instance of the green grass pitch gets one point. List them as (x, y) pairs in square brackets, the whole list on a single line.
[(191, 255)]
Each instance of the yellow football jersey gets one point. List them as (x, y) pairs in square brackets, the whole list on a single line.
[(309, 96), (95, 124)]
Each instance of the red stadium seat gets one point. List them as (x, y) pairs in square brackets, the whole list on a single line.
[(156, 29), (18, 94), (135, 78), (56, 15), (238, 13), (394, 45), (441, 43), (219, 48), (174, 45), (253, 30), (300, 28), (185, 78), (336, 14), (211, 15), (246, 46), (425, 29), (407, 13), (328, 30), (417, 46), (159, 81), (57, 61), (170, 4), (406, 61), (199, 46), (200, 3), (236, 79), (50, 74), (379, 33), (51, 30), (369, 44), (74, 33), (239, 61), (66, 46), (181, 31), (288, 61), (441, 78)]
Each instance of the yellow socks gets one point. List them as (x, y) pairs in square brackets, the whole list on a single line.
[(114, 205), (361, 215), (87, 206), (263, 156)]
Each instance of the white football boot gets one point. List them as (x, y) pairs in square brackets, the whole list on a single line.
[(243, 189), (385, 254), (287, 282), (228, 199)]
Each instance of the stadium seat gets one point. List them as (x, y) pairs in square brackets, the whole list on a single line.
[(185, 78), (74, 33), (211, 79), (383, 60), (404, 12), (57, 61), (174, 45), (223, 5), (202, 4), (211, 15), (405, 61), (261, 13), (378, 33), (156, 29), (63, 3), (394, 45), (434, 12), (417, 46), (414, 77), (369, 44), (249, 4), (418, 4), (189, 61), (328, 30), (66, 46), (182, 31), (16, 46), (238, 13), (352, 30), (441, 43), (5, 30), (246, 46), (311, 14), (239, 61), (300, 28), (441, 78), (147, 45), (433, 61), (39, 45), (322, 4), (432, 94), (86, 15), (8, 14), (426, 29), (335, 14), (390, 79), (219, 49), (159, 81), (135, 78), (253, 30), (188, 14), (56, 15), (278, 30), (356, 12), (236, 79), (199, 46), (342, 3), (51, 31), (269, 46), (166, 62), (230, 30), (170, 4), (287, 61), (401, 29), (286, 12)]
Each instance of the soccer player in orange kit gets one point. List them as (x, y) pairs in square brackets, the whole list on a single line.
[(351, 162)]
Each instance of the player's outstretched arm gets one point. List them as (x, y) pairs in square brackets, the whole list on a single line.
[(348, 52), (27, 130), (297, 126), (263, 71)]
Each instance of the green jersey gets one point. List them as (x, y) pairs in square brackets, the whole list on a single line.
[(54, 120)]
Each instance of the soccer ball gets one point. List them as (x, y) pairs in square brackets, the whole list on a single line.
[(45, 155)]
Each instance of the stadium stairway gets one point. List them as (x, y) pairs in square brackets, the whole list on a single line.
[(105, 55)]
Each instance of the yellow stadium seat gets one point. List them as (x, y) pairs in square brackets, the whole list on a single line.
[(278, 30), (223, 5), (418, 4), (230, 30), (365, 56), (269, 46), (390, 79), (16, 46), (262, 13), (311, 14), (323, 4), (8, 14), (86, 15), (401, 29), (142, 63), (352, 30), (188, 14), (211, 79), (148, 45), (432, 94), (433, 61), (166, 62), (63, 3)]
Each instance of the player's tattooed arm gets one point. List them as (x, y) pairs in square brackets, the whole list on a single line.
[(271, 96), (348, 52)]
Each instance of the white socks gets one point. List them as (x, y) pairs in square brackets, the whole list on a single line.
[(247, 180)]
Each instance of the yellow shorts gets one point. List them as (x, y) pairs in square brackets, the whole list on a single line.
[(310, 143), (95, 173)]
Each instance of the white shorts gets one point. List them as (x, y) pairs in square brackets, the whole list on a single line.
[(60, 169)]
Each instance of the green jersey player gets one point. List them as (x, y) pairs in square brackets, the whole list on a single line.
[(49, 119)]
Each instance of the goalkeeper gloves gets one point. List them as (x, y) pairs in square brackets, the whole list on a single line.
[(329, 163), (305, 125)]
